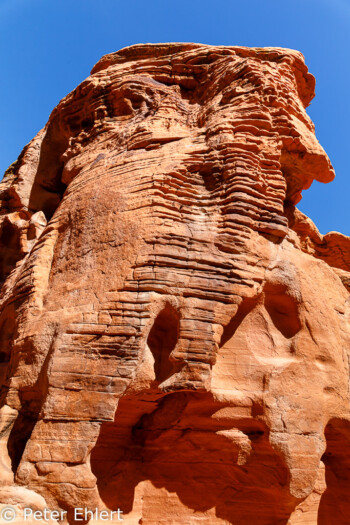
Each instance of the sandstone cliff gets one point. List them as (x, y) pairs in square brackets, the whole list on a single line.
[(174, 332)]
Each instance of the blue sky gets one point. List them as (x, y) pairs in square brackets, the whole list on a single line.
[(49, 46)]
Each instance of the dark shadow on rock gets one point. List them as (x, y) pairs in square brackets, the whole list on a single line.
[(334, 506), (162, 340), (176, 444)]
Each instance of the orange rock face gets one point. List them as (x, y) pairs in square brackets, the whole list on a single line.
[(174, 332)]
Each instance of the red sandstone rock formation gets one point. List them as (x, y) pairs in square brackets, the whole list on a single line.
[(174, 333)]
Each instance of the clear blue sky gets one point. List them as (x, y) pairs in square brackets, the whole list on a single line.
[(49, 46)]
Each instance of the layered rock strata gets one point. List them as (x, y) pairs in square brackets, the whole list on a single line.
[(174, 332)]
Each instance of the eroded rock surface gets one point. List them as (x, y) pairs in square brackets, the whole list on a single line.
[(174, 332)]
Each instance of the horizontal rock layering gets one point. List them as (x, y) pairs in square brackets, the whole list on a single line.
[(174, 332)]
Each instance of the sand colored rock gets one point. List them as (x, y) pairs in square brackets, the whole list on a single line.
[(174, 332)]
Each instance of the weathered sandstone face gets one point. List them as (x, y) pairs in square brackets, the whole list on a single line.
[(174, 332)]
